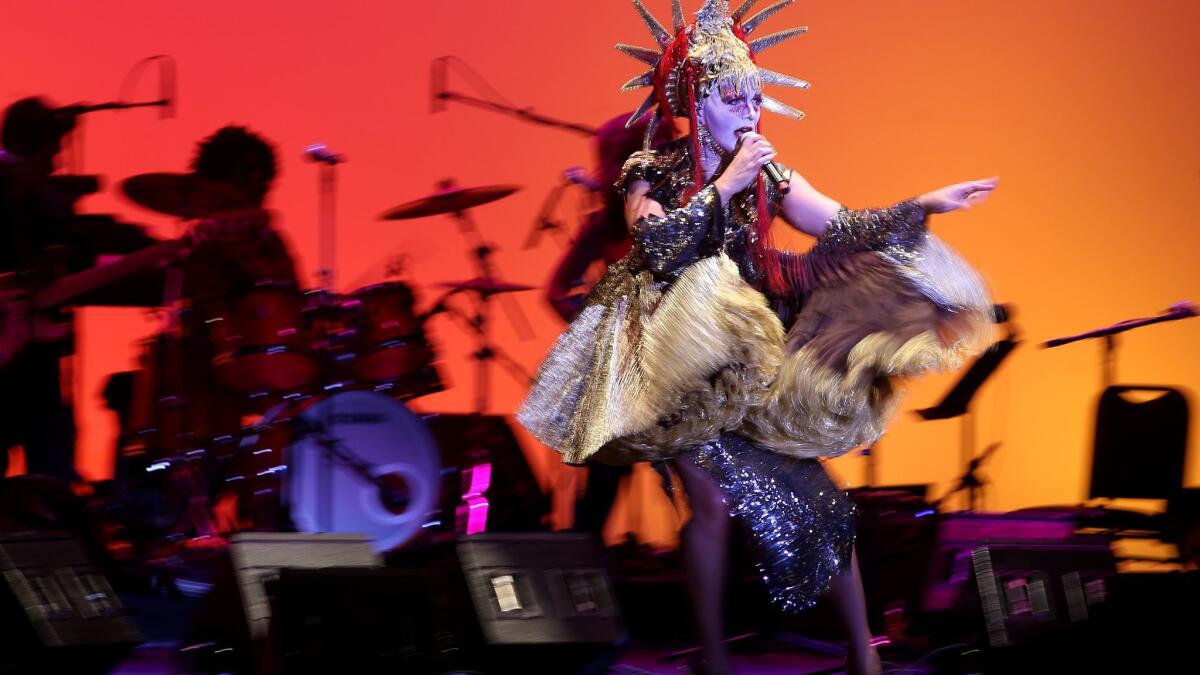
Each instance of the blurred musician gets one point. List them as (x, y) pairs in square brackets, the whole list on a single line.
[(237, 251), (41, 238), (240, 250), (603, 238)]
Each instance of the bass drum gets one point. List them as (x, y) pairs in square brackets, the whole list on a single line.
[(356, 461)]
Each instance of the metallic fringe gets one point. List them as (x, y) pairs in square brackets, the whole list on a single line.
[(645, 373), (661, 371), (857, 336)]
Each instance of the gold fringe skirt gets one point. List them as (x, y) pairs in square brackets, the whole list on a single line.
[(651, 368)]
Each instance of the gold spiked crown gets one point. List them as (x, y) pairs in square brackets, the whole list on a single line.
[(715, 49)]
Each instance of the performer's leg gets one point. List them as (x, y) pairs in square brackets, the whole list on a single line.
[(846, 591), (705, 544)]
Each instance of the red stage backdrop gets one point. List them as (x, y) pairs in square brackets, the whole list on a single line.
[(1088, 112)]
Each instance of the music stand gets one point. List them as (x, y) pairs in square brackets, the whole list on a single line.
[(957, 403)]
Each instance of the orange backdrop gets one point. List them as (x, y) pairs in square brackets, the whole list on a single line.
[(1088, 112)]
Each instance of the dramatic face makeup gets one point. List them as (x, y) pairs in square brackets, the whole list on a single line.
[(728, 113)]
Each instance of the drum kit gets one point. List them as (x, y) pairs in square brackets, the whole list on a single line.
[(325, 377)]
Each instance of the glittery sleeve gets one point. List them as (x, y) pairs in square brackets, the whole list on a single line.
[(670, 242), (893, 229), (643, 165)]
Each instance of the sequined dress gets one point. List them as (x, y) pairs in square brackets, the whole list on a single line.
[(682, 349)]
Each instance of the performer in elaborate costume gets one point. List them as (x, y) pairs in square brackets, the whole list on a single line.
[(740, 363)]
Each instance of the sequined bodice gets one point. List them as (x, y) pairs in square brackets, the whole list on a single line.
[(732, 229)]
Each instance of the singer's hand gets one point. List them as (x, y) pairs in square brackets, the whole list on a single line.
[(579, 176), (753, 152), (575, 174), (958, 196)]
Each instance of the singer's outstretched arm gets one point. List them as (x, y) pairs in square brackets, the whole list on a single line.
[(811, 212)]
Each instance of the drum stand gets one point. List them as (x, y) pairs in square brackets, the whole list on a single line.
[(486, 351)]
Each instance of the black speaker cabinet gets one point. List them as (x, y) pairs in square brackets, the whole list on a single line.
[(231, 631), (1038, 591), (494, 603), (59, 612)]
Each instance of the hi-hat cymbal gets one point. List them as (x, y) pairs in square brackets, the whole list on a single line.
[(185, 195), (449, 200), (485, 286)]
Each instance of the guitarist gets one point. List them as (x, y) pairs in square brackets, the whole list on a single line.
[(41, 236)]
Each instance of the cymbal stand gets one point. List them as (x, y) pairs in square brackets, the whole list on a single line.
[(485, 354), (513, 366)]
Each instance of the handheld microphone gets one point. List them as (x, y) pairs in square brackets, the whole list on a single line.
[(776, 175)]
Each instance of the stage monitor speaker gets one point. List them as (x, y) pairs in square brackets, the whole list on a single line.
[(258, 557), (540, 588), (494, 603), (60, 614), (958, 534), (1036, 592), (232, 627)]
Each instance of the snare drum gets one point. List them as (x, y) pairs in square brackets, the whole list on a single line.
[(382, 476)]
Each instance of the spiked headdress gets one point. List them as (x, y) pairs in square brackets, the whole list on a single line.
[(714, 50)]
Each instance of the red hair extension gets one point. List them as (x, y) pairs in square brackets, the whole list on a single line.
[(694, 139), (763, 248)]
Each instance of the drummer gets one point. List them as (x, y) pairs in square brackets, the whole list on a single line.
[(241, 249), (238, 251)]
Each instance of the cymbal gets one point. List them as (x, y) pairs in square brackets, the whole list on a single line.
[(485, 286), (449, 200), (185, 195)]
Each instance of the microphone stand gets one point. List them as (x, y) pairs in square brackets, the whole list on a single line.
[(525, 114), (439, 95), (1108, 361), (970, 481), (85, 108)]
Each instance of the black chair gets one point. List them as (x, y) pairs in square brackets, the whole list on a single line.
[(1140, 446)]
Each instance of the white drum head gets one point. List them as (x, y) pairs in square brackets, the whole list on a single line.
[(324, 494)]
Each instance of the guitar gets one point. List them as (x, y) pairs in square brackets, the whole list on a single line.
[(21, 322)]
